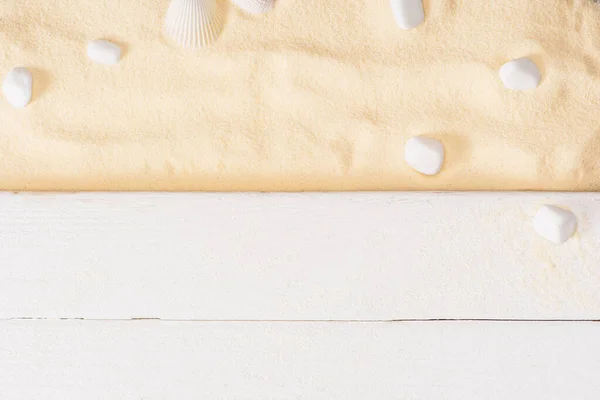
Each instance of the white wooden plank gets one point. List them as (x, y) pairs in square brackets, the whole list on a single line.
[(192, 360), (361, 256)]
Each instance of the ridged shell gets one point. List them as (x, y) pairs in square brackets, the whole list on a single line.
[(194, 23), (255, 6)]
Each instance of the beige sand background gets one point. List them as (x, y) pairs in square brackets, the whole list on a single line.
[(317, 95)]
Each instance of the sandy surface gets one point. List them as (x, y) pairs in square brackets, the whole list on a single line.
[(317, 95)]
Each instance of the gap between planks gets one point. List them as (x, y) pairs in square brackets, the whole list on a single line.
[(363, 321)]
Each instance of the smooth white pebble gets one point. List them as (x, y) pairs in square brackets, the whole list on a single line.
[(104, 52), (520, 74), (18, 87), (408, 13), (424, 154), (555, 224)]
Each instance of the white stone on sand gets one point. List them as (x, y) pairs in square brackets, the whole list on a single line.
[(555, 224), (520, 74), (103, 52), (18, 87), (255, 6), (424, 154), (408, 13)]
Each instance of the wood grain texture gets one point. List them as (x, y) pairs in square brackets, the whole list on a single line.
[(155, 360), (361, 256)]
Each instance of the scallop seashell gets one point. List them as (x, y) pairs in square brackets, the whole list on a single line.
[(194, 23), (255, 6)]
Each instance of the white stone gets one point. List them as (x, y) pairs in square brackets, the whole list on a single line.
[(103, 52), (408, 13), (555, 224), (424, 154), (520, 74), (18, 87), (255, 6)]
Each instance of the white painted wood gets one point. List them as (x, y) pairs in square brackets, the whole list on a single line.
[(361, 256), (155, 360)]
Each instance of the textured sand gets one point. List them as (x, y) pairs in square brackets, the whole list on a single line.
[(317, 95)]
